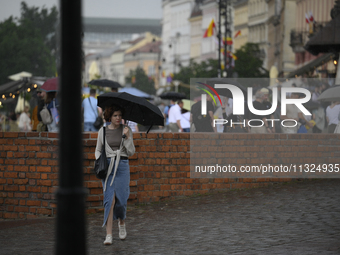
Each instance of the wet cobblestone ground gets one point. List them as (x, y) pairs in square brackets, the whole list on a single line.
[(294, 218)]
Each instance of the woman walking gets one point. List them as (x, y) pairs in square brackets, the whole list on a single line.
[(119, 146)]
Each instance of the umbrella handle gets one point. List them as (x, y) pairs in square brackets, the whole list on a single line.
[(149, 129), (126, 124)]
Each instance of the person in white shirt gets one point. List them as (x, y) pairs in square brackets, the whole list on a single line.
[(133, 125), (25, 121), (185, 120), (90, 111), (175, 117), (294, 113), (332, 115)]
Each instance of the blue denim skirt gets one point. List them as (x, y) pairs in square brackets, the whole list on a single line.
[(120, 188)]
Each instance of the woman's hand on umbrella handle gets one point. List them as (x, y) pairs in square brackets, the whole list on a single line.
[(126, 131)]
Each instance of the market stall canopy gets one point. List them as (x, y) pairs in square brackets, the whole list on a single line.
[(312, 65), (19, 76), (13, 87)]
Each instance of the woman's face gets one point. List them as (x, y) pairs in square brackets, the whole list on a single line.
[(116, 117)]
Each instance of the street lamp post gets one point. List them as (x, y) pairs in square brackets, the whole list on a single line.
[(175, 45), (219, 38), (70, 227)]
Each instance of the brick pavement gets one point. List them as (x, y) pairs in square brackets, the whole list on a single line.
[(293, 218)]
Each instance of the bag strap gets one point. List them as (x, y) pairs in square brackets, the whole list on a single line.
[(93, 109), (121, 143), (104, 139)]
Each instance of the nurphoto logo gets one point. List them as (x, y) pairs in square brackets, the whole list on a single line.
[(239, 103)]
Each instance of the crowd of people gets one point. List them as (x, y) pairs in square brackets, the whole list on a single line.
[(29, 118), (324, 119)]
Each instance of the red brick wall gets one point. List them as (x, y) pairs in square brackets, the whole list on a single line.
[(159, 168)]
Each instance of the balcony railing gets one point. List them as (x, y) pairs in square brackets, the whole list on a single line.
[(298, 38)]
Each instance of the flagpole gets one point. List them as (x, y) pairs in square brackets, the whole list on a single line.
[(219, 40), (225, 41), (230, 35)]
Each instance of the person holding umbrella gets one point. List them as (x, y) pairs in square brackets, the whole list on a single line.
[(118, 146), (90, 111)]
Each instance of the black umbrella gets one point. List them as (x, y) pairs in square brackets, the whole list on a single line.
[(312, 105), (136, 109), (225, 92), (173, 95), (105, 83)]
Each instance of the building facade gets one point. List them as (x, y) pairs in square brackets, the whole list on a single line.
[(241, 23), (175, 35), (196, 33), (305, 62), (146, 57), (102, 33)]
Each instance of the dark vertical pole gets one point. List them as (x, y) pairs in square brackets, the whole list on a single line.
[(231, 36), (175, 42), (71, 194), (226, 27), (219, 39)]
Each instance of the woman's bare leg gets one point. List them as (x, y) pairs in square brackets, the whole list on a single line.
[(110, 219)]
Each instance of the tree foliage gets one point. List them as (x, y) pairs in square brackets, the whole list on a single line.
[(141, 81), (249, 63), (28, 43), (205, 69)]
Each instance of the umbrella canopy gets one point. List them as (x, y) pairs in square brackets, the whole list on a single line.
[(331, 94), (50, 85), (312, 105), (136, 92), (105, 83), (173, 95), (136, 109), (225, 92)]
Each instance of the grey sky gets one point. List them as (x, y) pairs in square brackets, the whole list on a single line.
[(151, 9)]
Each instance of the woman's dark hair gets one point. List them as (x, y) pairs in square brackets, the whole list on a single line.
[(49, 97), (109, 110)]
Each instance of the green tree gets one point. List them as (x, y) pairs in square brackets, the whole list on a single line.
[(28, 43), (249, 63), (205, 69), (141, 81), (44, 21)]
